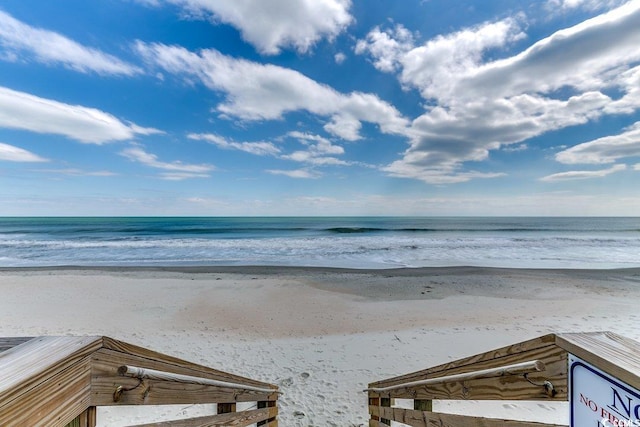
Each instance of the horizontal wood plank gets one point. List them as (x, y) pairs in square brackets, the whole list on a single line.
[(542, 348), (152, 392), (436, 419), (165, 362), (514, 387), (9, 342), (233, 419), (106, 379)]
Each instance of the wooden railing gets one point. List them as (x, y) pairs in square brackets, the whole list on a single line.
[(534, 370), (227, 415), (60, 381)]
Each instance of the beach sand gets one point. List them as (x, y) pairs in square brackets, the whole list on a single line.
[(320, 334)]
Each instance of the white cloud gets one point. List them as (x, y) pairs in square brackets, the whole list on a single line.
[(515, 149), (386, 47), (19, 110), (144, 131), (316, 143), (78, 172), (180, 176), (339, 57), (296, 173), (604, 150), (444, 173), (587, 57), (319, 151), (582, 4), (175, 170), (260, 148), (475, 104), (571, 175), (436, 67), (276, 24), (313, 158), (11, 153), (49, 47), (266, 92)]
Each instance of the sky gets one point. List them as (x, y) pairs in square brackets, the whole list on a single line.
[(319, 107)]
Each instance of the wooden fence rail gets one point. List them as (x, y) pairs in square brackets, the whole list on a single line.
[(532, 370), (59, 381)]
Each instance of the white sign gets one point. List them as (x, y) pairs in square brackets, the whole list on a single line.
[(599, 400)]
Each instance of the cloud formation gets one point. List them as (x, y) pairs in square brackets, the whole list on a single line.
[(608, 149), (11, 153), (175, 171), (22, 41), (257, 91), (283, 23), (319, 151), (386, 47), (78, 172), (19, 110), (475, 104), (295, 173), (582, 4), (259, 148), (572, 175)]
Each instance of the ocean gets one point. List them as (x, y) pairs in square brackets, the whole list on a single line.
[(348, 242)]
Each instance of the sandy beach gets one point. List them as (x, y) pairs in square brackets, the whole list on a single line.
[(320, 334)]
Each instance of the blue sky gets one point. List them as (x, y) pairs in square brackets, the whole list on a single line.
[(320, 107)]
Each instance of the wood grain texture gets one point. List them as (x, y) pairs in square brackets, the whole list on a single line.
[(54, 402), (51, 381), (541, 348), (415, 418), (28, 364), (9, 342), (514, 387), (233, 419), (502, 371), (105, 380), (612, 353), (46, 380), (158, 375), (151, 392), (165, 362)]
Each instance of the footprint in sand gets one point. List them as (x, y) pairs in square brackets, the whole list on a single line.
[(286, 382)]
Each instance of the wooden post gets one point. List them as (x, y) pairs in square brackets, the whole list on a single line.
[(85, 419), (374, 401), (270, 421), (91, 416), (385, 402)]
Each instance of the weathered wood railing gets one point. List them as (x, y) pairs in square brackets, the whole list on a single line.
[(532, 370), (60, 381)]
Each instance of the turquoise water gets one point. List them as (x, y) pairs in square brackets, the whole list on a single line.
[(367, 242)]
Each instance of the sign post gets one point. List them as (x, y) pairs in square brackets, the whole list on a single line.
[(598, 399)]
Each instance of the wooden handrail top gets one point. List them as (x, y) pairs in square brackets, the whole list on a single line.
[(515, 369), (152, 374)]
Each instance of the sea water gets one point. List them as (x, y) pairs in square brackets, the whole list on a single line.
[(364, 242)]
